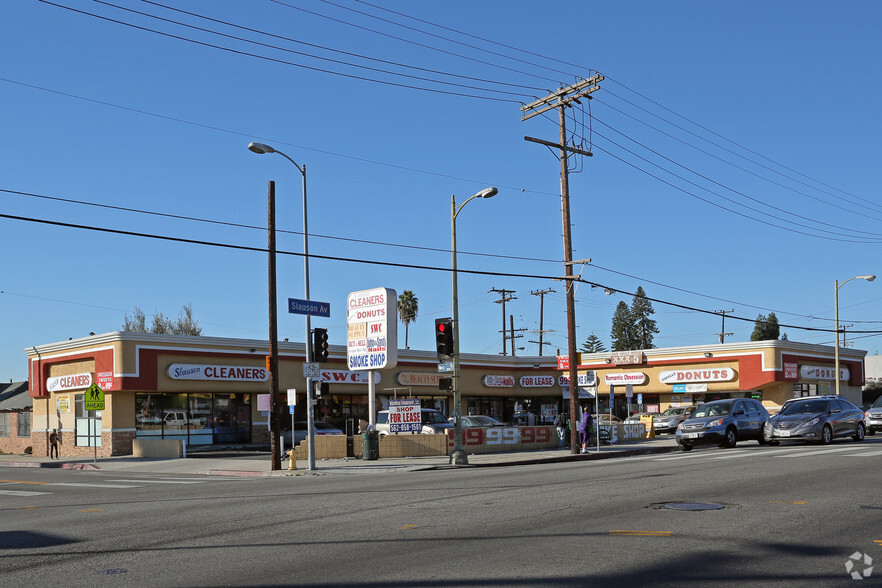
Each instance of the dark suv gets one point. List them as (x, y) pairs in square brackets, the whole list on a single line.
[(724, 422)]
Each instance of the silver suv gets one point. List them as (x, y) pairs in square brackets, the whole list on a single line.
[(669, 420), (432, 420)]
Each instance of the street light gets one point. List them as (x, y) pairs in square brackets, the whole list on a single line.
[(262, 149), (868, 278), (458, 456)]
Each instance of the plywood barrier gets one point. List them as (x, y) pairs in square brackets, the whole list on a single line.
[(326, 447), (168, 448), (500, 439)]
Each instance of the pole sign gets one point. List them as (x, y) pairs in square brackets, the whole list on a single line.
[(372, 329), (310, 307), (405, 416)]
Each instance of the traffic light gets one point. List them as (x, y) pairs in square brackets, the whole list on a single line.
[(320, 345), (321, 388), (444, 337), (445, 384)]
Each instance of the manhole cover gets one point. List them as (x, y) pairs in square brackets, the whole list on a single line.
[(694, 506)]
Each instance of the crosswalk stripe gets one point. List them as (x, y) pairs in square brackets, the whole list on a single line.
[(818, 451), (864, 454), (89, 485), (22, 493), (142, 481)]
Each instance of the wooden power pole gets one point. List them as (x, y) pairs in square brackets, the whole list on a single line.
[(561, 100)]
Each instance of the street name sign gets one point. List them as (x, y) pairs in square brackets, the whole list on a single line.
[(310, 307)]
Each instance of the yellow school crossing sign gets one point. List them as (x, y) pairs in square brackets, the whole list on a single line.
[(94, 398)]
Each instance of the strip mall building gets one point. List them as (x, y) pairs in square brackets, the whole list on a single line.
[(207, 390)]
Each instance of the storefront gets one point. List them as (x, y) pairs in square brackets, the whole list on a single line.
[(212, 391), (770, 371)]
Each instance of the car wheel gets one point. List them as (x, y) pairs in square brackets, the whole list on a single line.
[(859, 433), (774, 443), (685, 446), (763, 436), (827, 435), (731, 438), (871, 432)]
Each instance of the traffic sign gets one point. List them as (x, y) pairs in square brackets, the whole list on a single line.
[(94, 399), (445, 366), (310, 307), (311, 370)]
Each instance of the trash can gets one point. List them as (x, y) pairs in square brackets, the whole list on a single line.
[(370, 445)]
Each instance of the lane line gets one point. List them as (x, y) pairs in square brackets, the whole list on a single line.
[(141, 481), (89, 485), (22, 493)]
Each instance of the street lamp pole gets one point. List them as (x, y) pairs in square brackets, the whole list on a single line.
[(837, 285), (261, 149), (458, 456)]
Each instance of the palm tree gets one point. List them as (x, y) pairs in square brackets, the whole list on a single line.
[(408, 307)]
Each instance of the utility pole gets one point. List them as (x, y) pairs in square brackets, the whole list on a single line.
[(843, 327), (541, 294), (722, 334), (502, 301), (561, 100), (513, 337)]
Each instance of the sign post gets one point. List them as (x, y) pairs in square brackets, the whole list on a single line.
[(94, 400)]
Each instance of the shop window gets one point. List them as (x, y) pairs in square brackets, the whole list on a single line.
[(88, 424), (4, 424), (148, 415), (24, 424)]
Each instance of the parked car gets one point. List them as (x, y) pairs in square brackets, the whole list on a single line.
[(724, 422), (818, 419), (432, 420), (301, 429), (634, 419), (477, 420), (670, 419), (873, 417), (605, 419)]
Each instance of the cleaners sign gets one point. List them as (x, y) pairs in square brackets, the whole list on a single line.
[(372, 329)]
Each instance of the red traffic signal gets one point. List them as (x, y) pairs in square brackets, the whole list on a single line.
[(444, 337)]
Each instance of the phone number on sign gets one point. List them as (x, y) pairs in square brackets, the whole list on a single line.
[(504, 435)]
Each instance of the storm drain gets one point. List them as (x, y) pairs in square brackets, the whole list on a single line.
[(694, 506)]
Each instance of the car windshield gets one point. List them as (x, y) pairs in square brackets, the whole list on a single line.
[(673, 411), (433, 418), (807, 407), (485, 420), (713, 409), (878, 403), (324, 426)]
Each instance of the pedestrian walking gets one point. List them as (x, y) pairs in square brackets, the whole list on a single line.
[(53, 444), (586, 424), (562, 422)]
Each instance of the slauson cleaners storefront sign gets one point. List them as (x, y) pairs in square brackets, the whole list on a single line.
[(226, 373)]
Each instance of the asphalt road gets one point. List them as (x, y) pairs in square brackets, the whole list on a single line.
[(783, 516)]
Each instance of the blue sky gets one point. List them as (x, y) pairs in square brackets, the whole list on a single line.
[(736, 163)]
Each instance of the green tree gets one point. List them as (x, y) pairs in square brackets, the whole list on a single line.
[(644, 326), (408, 307), (765, 328), (593, 344), (622, 333)]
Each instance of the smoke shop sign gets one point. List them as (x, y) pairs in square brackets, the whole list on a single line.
[(499, 381), (697, 375), (225, 373)]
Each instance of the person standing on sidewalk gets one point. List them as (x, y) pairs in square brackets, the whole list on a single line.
[(53, 444), (586, 423), (561, 421)]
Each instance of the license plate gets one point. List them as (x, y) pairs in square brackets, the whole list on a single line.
[(691, 435), (780, 433)]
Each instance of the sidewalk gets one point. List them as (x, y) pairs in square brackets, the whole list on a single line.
[(257, 463)]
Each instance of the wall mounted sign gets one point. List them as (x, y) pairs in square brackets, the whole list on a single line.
[(72, 382), (537, 381), (624, 378), (224, 373), (822, 372), (586, 379), (346, 377), (418, 379), (626, 357), (498, 381), (697, 375)]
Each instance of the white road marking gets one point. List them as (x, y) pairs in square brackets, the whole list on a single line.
[(21, 493)]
